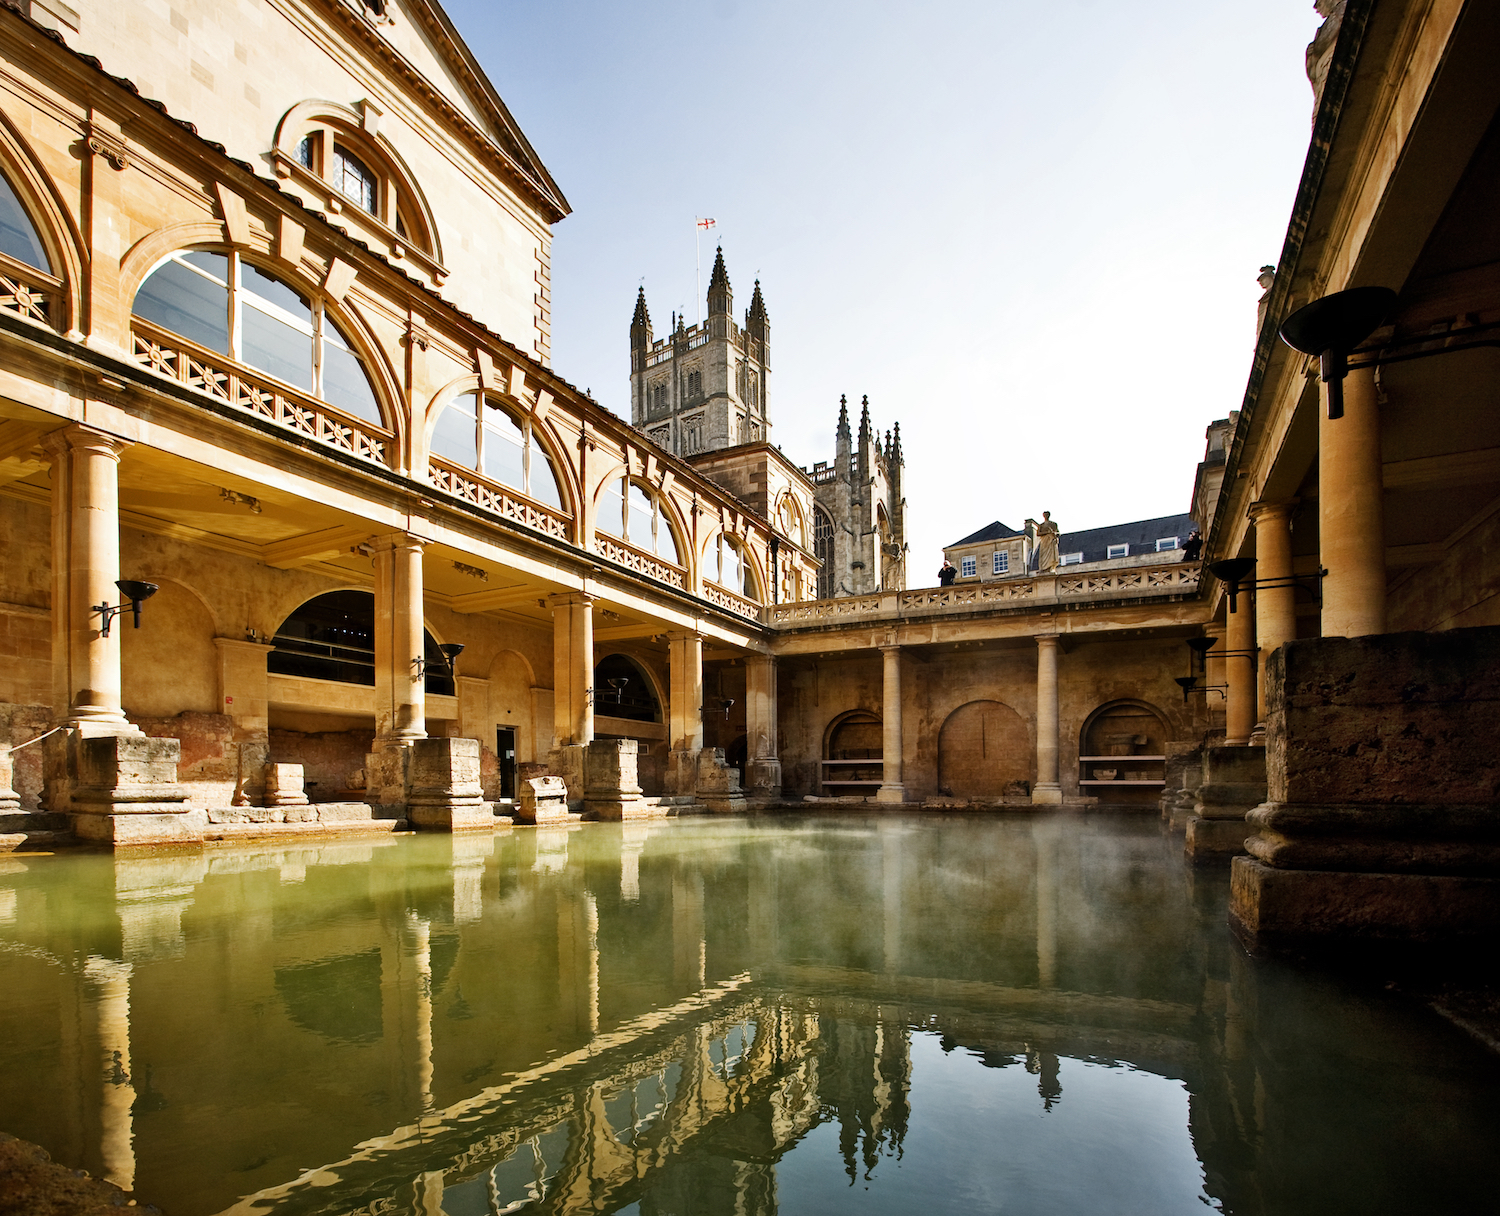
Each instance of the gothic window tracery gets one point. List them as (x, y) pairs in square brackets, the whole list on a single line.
[(823, 551), (480, 434), (229, 305)]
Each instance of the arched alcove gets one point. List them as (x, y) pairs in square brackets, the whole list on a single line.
[(623, 689), (332, 637), (1121, 747), (983, 747), (853, 754)]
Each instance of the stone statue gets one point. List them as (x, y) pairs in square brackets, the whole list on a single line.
[(1320, 49), (1045, 536)]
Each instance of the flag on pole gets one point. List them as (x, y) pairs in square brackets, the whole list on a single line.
[(706, 224)]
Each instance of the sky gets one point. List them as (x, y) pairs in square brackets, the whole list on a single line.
[(1029, 232)]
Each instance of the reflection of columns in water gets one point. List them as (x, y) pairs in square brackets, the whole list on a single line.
[(421, 936), (430, 1194), (689, 949), (551, 850), (591, 911), (1044, 837), (111, 981), (578, 961), (633, 837), (762, 897), (1045, 1066), (890, 872), (470, 853)]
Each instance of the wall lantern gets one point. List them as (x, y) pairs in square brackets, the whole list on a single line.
[(1189, 682), (1232, 571), (135, 592), (1332, 327), (722, 705), (450, 652), (618, 684)]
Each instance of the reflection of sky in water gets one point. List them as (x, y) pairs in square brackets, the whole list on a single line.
[(980, 1139)]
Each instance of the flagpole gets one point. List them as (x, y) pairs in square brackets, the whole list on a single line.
[(698, 265)]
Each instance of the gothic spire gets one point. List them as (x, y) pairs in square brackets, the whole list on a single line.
[(843, 415), (864, 422), (900, 459), (720, 294), (757, 323), (640, 324)]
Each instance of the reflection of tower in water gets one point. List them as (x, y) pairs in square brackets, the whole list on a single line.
[(865, 1082)]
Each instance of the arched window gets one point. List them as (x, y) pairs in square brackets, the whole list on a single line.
[(346, 165), (479, 434), (789, 521), (18, 235), (725, 564), (622, 690), (823, 551), (224, 303), (332, 637), (632, 511)]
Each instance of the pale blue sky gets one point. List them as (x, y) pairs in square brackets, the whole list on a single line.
[(1030, 232)]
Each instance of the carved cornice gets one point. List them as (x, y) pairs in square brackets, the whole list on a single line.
[(108, 145)]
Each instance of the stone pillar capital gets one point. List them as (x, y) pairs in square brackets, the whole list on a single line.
[(78, 437), (1272, 509), (407, 541), (569, 599), (1047, 641)]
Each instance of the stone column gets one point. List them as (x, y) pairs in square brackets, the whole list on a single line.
[(685, 728), (763, 766), (85, 565), (400, 640), (400, 692), (1351, 515), (572, 668), (245, 698), (1048, 790), (891, 788), (1275, 607), (1239, 667)]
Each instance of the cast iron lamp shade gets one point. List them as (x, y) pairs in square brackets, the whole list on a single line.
[(1332, 327), (1186, 683), (1201, 647), (450, 652), (1232, 570), (135, 592)]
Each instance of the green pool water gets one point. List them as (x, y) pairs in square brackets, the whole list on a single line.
[(892, 1014)]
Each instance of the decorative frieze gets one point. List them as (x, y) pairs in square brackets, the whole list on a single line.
[(824, 610), (305, 415)]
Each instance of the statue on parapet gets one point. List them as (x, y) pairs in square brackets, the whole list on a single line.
[(1044, 537)]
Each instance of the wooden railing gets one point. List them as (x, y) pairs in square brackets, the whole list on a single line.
[(179, 360), (500, 500)]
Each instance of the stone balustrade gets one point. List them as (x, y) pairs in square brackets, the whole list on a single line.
[(1165, 581), (171, 356), (497, 499)]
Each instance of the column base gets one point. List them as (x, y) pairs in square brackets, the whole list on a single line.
[(146, 825), (1271, 907), (682, 771), (446, 795), (616, 810), (763, 777), (891, 793), (1210, 840), (1047, 793)]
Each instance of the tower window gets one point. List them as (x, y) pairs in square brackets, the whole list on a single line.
[(695, 384)]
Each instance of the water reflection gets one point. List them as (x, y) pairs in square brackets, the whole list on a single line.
[(773, 1016)]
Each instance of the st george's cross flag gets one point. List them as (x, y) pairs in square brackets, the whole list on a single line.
[(705, 224)]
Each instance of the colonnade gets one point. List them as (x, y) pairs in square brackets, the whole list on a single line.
[(1351, 549)]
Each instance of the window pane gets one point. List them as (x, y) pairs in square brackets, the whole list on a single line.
[(346, 384), (666, 545), (272, 345), (216, 264), (544, 479), (353, 180), (258, 283), (612, 509), (17, 233), (186, 303), (731, 573), (503, 448), (453, 437), (640, 518)]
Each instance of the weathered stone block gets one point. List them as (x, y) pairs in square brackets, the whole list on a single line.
[(143, 828), (127, 769), (719, 783), (1271, 906), (543, 800), (1381, 718), (1215, 839), (444, 784), (285, 785), (611, 788), (9, 799)]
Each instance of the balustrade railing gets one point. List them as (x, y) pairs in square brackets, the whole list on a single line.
[(170, 356), (497, 499), (730, 602), (32, 297), (1179, 578), (616, 550)]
